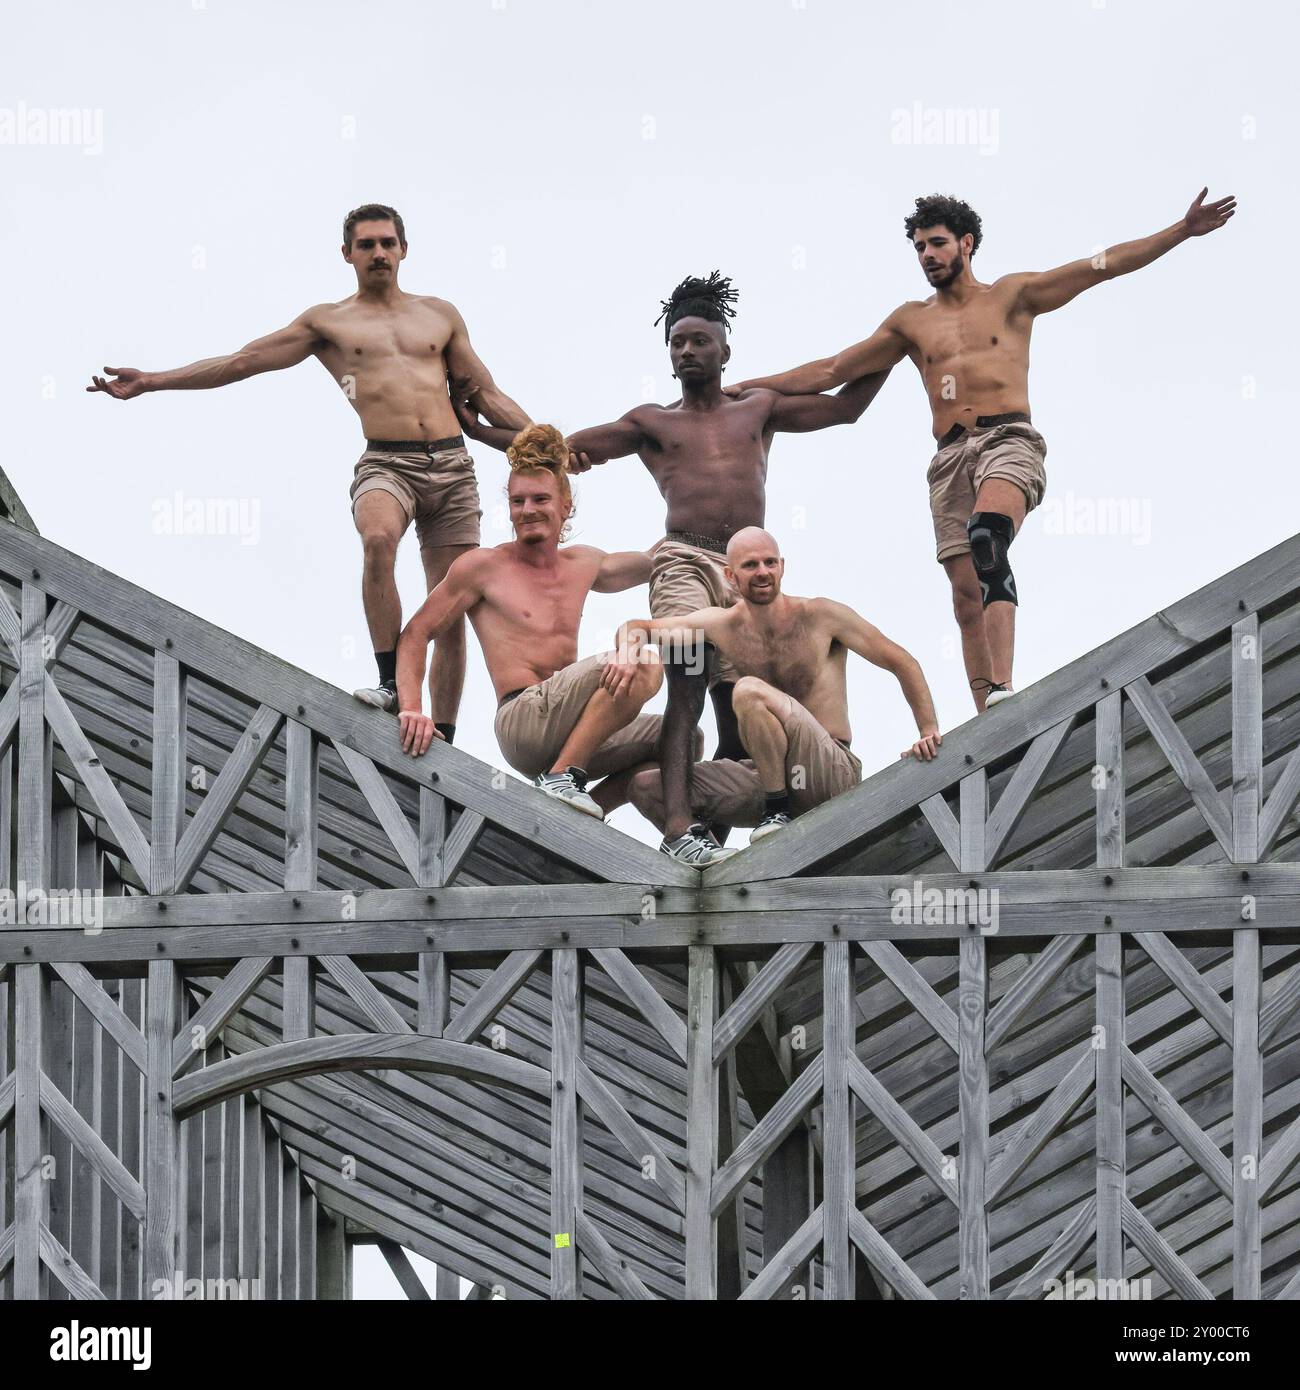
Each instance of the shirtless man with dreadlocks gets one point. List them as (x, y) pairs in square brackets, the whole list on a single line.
[(708, 455)]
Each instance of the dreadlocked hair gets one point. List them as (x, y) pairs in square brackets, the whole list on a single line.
[(543, 449), (711, 299)]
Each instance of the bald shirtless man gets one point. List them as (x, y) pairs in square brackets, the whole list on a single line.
[(708, 455), (791, 699), (396, 355), (970, 342), (555, 723)]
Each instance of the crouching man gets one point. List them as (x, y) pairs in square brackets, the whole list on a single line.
[(556, 720), (791, 700)]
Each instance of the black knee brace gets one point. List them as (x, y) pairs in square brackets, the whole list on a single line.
[(990, 535)]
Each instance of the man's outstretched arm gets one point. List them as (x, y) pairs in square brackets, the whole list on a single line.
[(600, 443), (858, 635), (469, 380), (886, 347), (795, 414), (284, 348), (1042, 291), (451, 599)]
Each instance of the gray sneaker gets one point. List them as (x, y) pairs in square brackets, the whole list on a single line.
[(382, 697), (697, 848), (768, 825), (570, 786)]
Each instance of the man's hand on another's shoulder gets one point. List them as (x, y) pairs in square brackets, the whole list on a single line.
[(415, 732), (925, 747)]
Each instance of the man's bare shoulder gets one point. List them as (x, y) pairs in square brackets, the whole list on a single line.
[(583, 554), (439, 306)]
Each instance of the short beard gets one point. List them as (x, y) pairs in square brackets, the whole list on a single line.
[(954, 270)]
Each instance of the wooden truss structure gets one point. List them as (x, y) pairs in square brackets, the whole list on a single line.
[(1027, 1012)]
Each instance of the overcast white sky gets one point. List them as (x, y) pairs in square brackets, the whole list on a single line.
[(560, 166)]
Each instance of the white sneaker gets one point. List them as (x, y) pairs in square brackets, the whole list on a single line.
[(697, 848), (769, 825), (570, 786), (383, 697), (997, 693)]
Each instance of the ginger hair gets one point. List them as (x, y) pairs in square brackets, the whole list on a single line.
[(543, 449)]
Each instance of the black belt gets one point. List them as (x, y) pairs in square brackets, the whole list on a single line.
[(415, 446), (984, 422), (699, 542), (512, 695)]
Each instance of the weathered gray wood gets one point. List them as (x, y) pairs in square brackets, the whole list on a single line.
[(465, 832), (30, 1195), (383, 803), (1033, 1135), (620, 1274), (974, 799), (289, 1217), (493, 995), (252, 1196), (787, 1198), (231, 783), (34, 759), (1166, 1110), (837, 1122), (333, 1257), (915, 988), (101, 1157), (1060, 1254), (1037, 978), (299, 998), (381, 1012), (217, 1009), (1186, 765), (70, 1274), (1248, 1116), (403, 1271), (1282, 1003), (944, 824), (756, 996), (163, 1193), (107, 1013), (301, 791), (1014, 801), (1188, 981), (702, 1126), (433, 838), (652, 1006), (1161, 1254), (1280, 802), (566, 1124), (169, 771), (973, 1103), (435, 993), (924, 1152), (782, 1267), (639, 1143), (885, 1259)]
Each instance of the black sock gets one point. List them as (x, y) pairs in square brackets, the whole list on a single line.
[(448, 731), (387, 663), (776, 803)]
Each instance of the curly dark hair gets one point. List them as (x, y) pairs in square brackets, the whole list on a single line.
[(938, 209)]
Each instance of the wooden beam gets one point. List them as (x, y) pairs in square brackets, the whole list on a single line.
[(838, 1165), (493, 995), (1188, 981), (1030, 771), (566, 1124), (756, 996), (702, 1126), (30, 1194), (169, 768), (164, 1200), (403, 1271), (651, 1005), (973, 1108)]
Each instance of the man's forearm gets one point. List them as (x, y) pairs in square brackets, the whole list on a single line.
[(201, 376), (411, 653), (809, 380), (1129, 256), (917, 694), (498, 409)]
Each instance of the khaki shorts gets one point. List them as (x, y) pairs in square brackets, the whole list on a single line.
[(532, 728), (437, 491), (724, 792), (685, 578), (1013, 451)]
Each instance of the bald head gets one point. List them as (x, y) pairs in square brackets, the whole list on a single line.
[(754, 565)]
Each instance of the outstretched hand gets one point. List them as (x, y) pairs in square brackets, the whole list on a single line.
[(1205, 217), (127, 382)]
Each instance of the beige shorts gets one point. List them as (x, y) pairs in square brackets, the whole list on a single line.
[(532, 728), (685, 578), (1013, 451), (817, 767), (437, 491)]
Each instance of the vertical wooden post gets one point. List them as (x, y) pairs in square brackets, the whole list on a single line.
[(1108, 779), (333, 1257), (289, 1220), (168, 802), (837, 1120), (162, 1187), (273, 1182), (302, 762), (29, 1179), (972, 1062), (1247, 1058), (252, 1218), (702, 1125), (434, 1007), (566, 1124)]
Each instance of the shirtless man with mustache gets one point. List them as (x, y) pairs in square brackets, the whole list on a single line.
[(396, 356)]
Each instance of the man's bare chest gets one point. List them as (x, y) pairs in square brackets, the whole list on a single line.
[(411, 336)]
